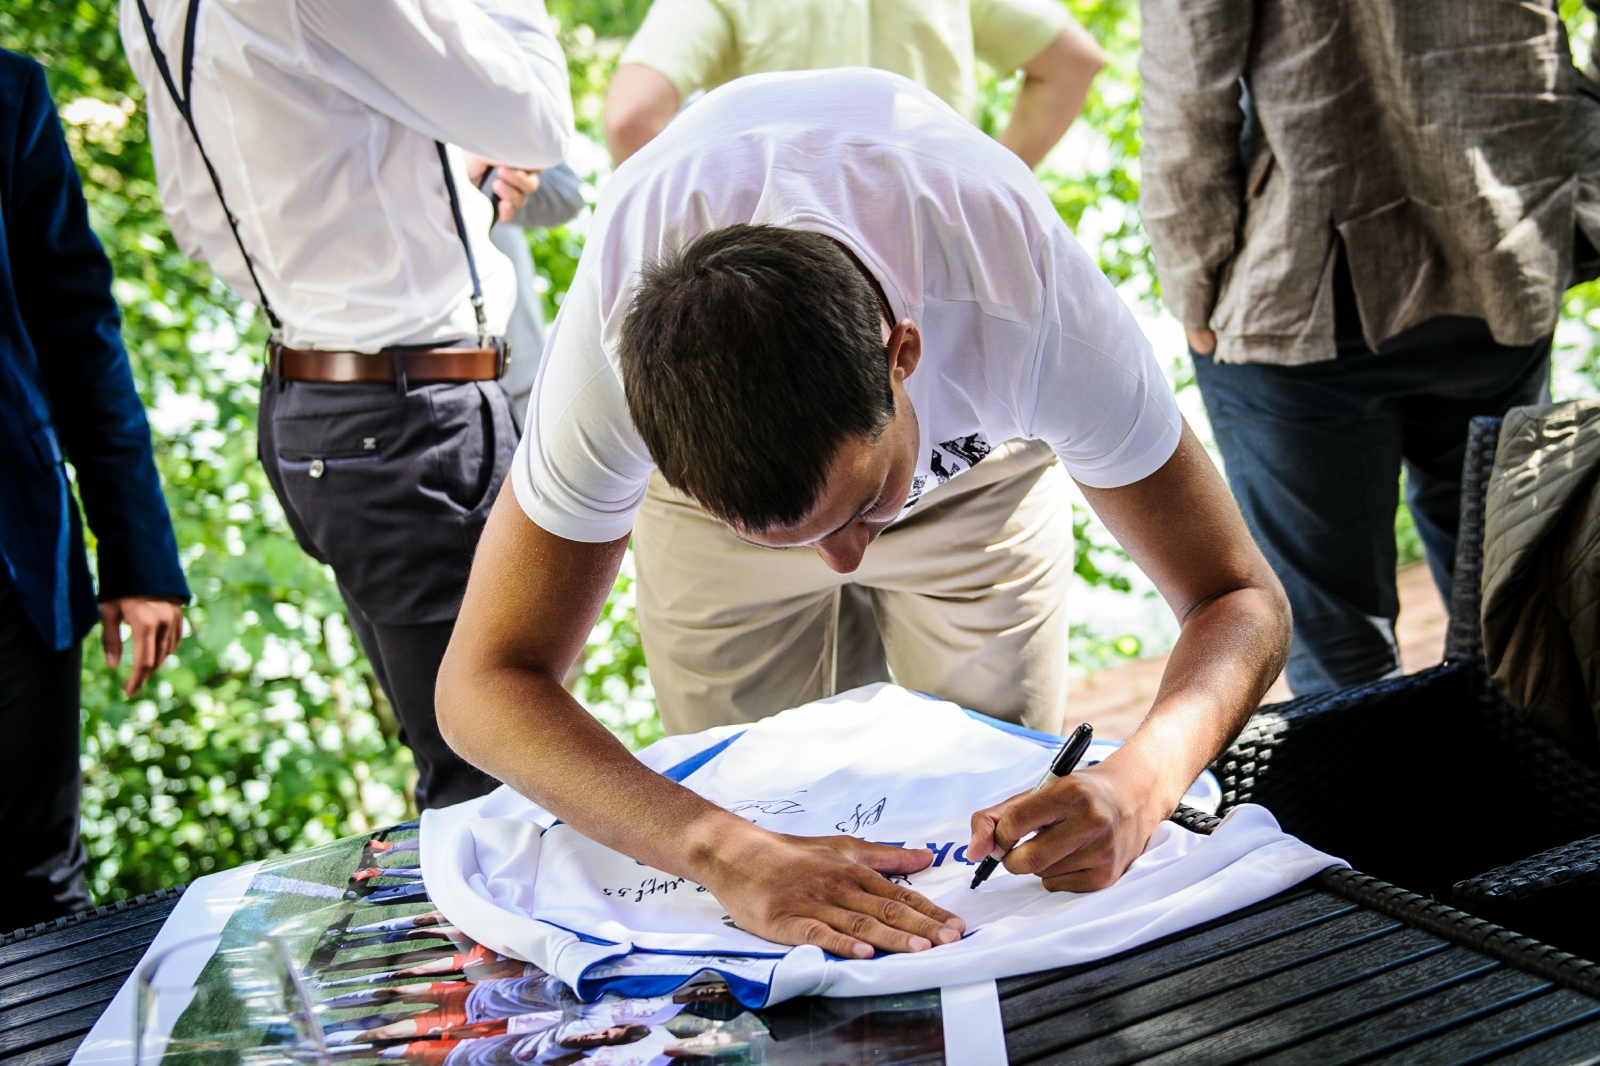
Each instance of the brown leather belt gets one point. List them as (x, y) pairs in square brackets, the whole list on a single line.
[(420, 365)]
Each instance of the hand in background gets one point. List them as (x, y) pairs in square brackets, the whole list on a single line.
[(511, 184), (1202, 341), (157, 626)]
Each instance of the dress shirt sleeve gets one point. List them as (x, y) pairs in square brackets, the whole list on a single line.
[(63, 285), (486, 75), (1007, 34), (1192, 186), (558, 199), (689, 41)]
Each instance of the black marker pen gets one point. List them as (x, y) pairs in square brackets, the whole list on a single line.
[(1066, 759)]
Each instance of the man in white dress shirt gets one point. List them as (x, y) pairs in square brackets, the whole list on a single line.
[(302, 152), (815, 307)]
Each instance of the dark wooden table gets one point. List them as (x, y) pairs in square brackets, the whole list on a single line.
[(1342, 969)]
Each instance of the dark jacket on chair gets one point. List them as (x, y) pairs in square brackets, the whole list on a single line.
[(1541, 570), (66, 391)]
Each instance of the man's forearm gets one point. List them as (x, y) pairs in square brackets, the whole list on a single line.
[(1231, 650), (501, 704), (529, 732), (1054, 87)]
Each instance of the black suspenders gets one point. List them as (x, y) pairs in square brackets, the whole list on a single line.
[(183, 101)]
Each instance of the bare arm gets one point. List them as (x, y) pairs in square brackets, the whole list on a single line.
[(529, 606), (1184, 531), (640, 101), (1054, 86)]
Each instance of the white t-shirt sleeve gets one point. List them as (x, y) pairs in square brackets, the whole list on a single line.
[(581, 468), (1097, 394)]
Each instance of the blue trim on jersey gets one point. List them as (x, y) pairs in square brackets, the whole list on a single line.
[(1036, 735), (752, 994), (694, 762), (585, 937)]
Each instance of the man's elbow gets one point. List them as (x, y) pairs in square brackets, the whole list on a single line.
[(1081, 53), (628, 128), (639, 104), (449, 701)]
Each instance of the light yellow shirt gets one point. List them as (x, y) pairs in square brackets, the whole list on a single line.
[(699, 44)]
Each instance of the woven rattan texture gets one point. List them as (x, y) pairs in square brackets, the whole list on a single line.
[(1554, 895), (1464, 639), (1423, 780), (1496, 941)]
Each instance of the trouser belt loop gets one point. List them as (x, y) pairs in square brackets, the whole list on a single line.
[(275, 365), (399, 356)]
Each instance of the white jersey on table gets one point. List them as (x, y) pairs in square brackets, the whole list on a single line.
[(878, 763), (1022, 334)]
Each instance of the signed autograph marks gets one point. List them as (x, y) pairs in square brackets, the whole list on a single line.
[(863, 817)]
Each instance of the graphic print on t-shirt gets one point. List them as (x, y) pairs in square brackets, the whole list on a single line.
[(946, 461), (954, 456)]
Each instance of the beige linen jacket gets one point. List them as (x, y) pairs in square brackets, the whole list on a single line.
[(1541, 570), (1450, 143)]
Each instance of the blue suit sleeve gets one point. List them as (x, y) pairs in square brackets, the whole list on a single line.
[(63, 284)]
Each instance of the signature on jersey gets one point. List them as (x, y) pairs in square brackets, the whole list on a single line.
[(650, 886), (863, 817), (769, 806)]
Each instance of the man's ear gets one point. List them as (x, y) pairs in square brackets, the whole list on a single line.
[(904, 348)]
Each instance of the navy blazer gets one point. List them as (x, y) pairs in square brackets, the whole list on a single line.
[(66, 391)]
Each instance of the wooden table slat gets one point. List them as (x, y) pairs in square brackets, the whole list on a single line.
[(80, 968), (106, 925), (1241, 925), (1502, 1029), (1578, 1045), (1439, 1012), (1296, 1024), (48, 1030), (1078, 986), (85, 990), (1042, 1007), (53, 1054), (1077, 1042)]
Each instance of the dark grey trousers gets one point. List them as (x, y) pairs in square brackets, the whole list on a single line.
[(391, 488), (41, 866)]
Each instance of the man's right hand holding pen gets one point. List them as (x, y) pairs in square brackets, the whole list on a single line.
[(1074, 819)]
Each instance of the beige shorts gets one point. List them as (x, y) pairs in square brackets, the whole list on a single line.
[(965, 599)]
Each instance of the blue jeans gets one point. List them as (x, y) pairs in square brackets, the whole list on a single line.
[(1313, 456)]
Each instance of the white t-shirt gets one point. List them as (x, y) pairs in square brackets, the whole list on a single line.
[(1022, 335), (913, 771)]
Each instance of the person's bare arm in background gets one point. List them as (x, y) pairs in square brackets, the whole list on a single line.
[(1055, 84), (640, 101)]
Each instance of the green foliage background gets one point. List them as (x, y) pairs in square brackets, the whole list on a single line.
[(267, 731)]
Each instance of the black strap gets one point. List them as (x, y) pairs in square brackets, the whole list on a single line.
[(181, 100), (461, 231)]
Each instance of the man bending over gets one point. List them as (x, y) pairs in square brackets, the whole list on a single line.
[(810, 303)]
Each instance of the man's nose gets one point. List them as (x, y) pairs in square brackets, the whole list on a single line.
[(843, 551)]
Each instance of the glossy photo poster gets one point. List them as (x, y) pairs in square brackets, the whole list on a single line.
[(336, 955)]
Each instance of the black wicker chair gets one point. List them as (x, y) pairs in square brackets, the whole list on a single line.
[(1425, 780)]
